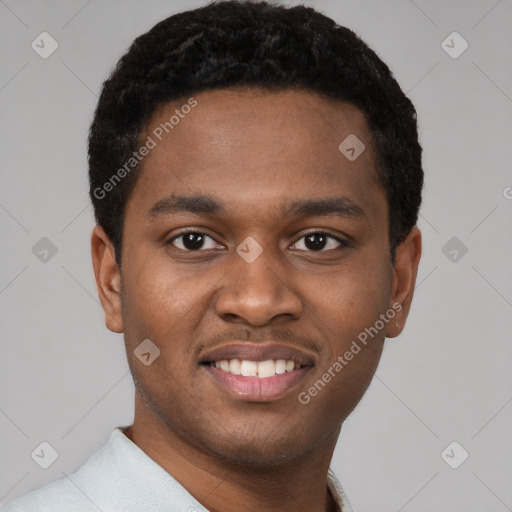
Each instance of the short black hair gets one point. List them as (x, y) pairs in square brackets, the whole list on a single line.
[(236, 43)]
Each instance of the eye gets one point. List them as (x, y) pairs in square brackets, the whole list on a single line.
[(193, 241), (319, 241)]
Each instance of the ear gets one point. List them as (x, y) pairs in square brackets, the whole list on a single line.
[(405, 269), (108, 278)]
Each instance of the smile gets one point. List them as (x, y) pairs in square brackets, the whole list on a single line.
[(261, 369), (257, 372)]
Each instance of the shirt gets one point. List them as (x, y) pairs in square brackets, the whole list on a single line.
[(121, 477)]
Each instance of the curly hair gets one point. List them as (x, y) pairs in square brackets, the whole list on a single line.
[(237, 43)]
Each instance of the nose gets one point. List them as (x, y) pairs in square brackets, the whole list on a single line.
[(258, 292)]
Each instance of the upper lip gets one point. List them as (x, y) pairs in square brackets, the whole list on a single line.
[(257, 352)]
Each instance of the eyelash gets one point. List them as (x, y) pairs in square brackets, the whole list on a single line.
[(343, 243)]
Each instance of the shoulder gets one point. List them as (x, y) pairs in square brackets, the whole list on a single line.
[(119, 477), (58, 496), (77, 491)]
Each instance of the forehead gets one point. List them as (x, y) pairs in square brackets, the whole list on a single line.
[(255, 146)]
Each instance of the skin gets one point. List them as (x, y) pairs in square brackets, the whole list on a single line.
[(252, 150)]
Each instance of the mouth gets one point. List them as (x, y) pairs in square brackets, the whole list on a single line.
[(257, 372), (261, 369)]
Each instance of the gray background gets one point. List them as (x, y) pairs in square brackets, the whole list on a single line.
[(64, 377)]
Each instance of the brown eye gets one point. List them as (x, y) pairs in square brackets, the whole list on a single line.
[(319, 241), (193, 241)]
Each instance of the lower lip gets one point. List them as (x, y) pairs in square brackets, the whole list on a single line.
[(254, 389)]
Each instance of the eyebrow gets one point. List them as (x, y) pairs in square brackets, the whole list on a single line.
[(343, 207)]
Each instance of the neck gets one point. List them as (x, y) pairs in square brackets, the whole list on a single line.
[(222, 485)]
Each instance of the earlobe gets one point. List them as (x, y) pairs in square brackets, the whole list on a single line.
[(108, 278), (405, 270)]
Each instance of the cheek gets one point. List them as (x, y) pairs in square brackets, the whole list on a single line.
[(155, 307), (351, 306), (355, 297), (157, 295)]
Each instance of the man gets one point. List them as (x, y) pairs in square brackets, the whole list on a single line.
[(256, 178)]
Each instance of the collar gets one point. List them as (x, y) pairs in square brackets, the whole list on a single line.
[(337, 493)]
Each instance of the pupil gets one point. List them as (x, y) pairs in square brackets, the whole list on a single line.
[(193, 241), (311, 244)]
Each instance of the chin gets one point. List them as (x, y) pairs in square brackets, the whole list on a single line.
[(258, 449), (256, 455)]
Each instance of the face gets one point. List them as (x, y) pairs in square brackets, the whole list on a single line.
[(255, 254)]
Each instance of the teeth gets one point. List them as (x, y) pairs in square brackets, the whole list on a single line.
[(261, 369), (249, 368), (266, 368), (235, 366), (280, 366)]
